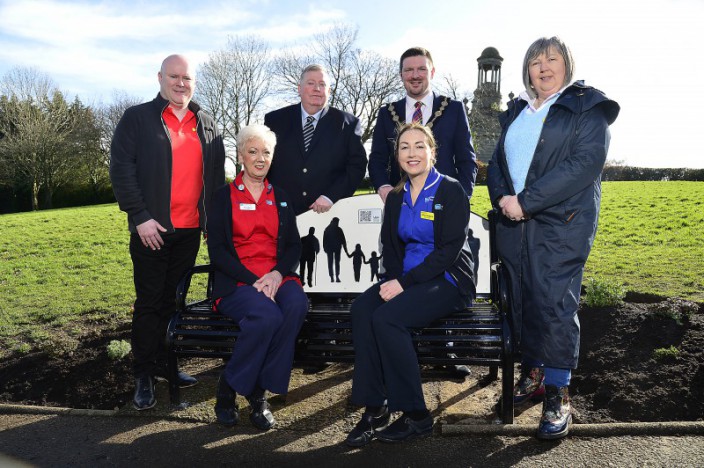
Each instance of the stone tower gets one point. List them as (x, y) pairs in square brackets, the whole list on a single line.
[(486, 104)]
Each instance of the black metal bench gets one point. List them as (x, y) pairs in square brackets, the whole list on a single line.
[(479, 335)]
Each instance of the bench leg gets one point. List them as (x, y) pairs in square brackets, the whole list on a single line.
[(507, 376), (172, 373), (493, 373)]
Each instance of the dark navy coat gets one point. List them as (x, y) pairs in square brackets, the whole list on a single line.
[(545, 255), (455, 153), (334, 164)]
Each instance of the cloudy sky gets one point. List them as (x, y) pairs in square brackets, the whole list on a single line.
[(645, 54)]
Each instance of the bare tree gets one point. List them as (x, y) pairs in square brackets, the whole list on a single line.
[(108, 116), (370, 81), (27, 84), (361, 80), (287, 68), (451, 87), (233, 83), (335, 49), (35, 145), (104, 121)]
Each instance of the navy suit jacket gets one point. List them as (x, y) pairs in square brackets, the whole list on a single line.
[(335, 162), (455, 154)]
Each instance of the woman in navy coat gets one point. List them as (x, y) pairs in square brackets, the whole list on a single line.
[(545, 178)]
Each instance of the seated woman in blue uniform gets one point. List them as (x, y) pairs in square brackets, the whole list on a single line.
[(254, 246), (428, 275)]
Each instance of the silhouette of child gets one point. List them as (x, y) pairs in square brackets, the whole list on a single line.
[(374, 265), (357, 257)]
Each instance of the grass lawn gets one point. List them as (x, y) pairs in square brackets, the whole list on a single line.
[(65, 271)]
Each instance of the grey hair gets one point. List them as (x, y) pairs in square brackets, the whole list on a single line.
[(315, 67), (253, 131), (542, 46)]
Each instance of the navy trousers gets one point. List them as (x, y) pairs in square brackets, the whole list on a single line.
[(263, 353), (156, 275), (385, 363)]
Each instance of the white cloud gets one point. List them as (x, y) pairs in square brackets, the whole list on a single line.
[(642, 53)]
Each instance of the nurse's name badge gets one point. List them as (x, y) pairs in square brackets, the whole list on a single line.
[(248, 206), (427, 215)]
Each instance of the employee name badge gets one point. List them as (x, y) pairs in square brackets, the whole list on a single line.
[(248, 206), (430, 216)]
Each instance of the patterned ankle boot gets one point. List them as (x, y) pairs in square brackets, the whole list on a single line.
[(557, 413), (529, 386)]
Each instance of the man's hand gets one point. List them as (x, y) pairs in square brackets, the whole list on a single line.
[(384, 192), (149, 233), (321, 205), (390, 289), (269, 284)]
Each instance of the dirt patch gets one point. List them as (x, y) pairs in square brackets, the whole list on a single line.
[(641, 362), (622, 376)]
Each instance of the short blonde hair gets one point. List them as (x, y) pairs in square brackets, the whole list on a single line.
[(260, 131)]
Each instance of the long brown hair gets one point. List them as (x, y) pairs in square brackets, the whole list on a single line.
[(429, 139)]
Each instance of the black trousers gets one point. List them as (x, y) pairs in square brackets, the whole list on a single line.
[(156, 275), (386, 364)]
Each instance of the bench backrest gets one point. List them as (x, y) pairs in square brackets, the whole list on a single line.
[(360, 218)]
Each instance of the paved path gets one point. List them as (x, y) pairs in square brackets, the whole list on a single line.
[(51, 440), (312, 423)]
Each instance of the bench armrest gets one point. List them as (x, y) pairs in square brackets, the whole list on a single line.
[(185, 284)]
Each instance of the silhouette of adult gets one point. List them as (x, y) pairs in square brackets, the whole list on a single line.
[(333, 243), (309, 250)]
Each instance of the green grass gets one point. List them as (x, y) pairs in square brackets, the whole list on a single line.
[(650, 237), (64, 272)]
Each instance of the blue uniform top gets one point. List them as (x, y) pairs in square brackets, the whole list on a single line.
[(415, 224)]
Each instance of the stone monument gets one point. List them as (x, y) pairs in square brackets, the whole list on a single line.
[(486, 104)]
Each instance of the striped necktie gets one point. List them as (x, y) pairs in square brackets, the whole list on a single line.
[(308, 130), (418, 113)]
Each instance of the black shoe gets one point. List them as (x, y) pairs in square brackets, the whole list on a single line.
[(184, 380), (226, 410), (405, 428), (260, 416), (363, 432), (144, 398), (557, 413)]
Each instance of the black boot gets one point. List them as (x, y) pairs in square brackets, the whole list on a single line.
[(226, 409), (144, 393), (260, 416)]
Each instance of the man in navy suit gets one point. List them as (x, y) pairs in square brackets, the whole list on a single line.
[(333, 162), (446, 117), (448, 120)]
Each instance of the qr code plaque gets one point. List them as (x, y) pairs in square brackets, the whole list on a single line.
[(369, 216)]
